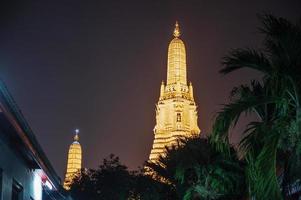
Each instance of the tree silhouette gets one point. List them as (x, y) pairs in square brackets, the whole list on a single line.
[(272, 143)]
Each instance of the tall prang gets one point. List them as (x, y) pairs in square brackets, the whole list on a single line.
[(74, 161), (176, 111)]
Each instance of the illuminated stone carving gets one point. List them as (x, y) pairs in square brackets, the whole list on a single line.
[(176, 111), (74, 162)]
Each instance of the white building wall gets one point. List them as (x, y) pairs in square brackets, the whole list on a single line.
[(14, 168)]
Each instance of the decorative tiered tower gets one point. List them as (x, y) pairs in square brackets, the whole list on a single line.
[(176, 111), (74, 162)]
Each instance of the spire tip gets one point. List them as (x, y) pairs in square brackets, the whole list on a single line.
[(76, 137), (176, 31)]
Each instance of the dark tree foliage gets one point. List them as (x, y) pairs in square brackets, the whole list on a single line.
[(197, 170), (146, 188), (271, 145), (113, 181)]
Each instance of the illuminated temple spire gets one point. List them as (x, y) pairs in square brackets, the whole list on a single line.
[(176, 111), (176, 59), (74, 162)]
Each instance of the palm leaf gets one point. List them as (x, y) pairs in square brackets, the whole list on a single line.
[(246, 58)]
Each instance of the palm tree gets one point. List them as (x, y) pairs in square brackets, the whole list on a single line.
[(275, 101), (197, 170)]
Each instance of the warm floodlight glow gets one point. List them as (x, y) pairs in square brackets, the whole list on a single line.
[(176, 113), (74, 162), (176, 60), (177, 31)]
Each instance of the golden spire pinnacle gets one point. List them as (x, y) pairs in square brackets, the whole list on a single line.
[(76, 137), (177, 32), (176, 59)]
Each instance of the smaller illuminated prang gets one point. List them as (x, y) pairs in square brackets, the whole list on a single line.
[(74, 162)]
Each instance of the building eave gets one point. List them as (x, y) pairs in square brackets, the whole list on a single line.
[(33, 149)]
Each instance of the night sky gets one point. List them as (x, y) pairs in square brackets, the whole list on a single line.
[(98, 66)]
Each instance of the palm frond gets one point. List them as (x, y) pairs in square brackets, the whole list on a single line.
[(229, 116), (261, 172), (282, 44), (246, 58)]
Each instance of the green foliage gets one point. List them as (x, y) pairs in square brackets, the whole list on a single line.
[(196, 170), (271, 144)]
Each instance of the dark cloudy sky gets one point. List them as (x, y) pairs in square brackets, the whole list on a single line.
[(98, 65)]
